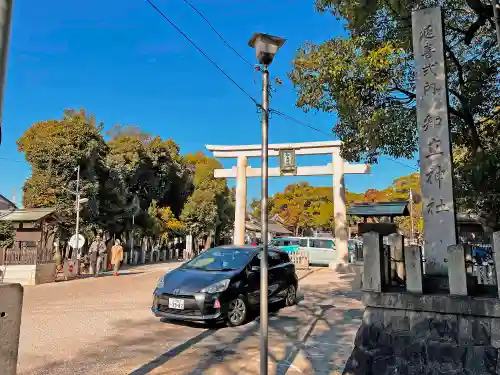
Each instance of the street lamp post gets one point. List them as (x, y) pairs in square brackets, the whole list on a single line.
[(266, 47)]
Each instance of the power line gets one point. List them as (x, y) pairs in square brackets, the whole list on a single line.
[(218, 34), (329, 135), (279, 113), (201, 51)]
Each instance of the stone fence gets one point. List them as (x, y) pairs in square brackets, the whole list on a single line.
[(418, 324)]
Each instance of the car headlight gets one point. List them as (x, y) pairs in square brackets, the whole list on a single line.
[(217, 287), (161, 282)]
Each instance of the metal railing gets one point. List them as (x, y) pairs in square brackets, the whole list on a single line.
[(480, 263)]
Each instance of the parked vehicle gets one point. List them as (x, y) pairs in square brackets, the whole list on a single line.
[(288, 244), (320, 250), (223, 285)]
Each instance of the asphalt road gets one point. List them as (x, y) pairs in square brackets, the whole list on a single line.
[(105, 326)]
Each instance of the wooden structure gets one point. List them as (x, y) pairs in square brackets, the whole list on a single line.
[(6, 204), (379, 210), (31, 259), (275, 227)]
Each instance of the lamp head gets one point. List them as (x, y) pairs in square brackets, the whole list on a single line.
[(265, 46)]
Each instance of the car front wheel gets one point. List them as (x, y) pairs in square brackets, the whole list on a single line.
[(291, 296), (237, 312)]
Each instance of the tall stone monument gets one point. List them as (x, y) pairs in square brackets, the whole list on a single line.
[(436, 174), (427, 329)]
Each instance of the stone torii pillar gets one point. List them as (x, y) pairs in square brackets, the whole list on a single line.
[(241, 201), (337, 169), (339, 208)]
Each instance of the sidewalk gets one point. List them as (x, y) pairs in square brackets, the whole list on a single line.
[(167, 265)]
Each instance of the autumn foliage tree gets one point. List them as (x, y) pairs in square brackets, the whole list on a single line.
[(304, 208)]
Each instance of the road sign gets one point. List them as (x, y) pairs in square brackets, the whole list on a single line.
[(81, 241)]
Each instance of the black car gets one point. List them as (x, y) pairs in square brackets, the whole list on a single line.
[(223, 284)]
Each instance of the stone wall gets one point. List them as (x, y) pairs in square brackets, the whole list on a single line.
[(409, 334), (45, 273), (29, 274)]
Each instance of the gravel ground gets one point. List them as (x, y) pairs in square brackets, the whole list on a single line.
[(104, 326)]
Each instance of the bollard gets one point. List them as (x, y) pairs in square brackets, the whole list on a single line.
[(413, 268), (457, 275), (396, 242), (373, 262), (11, 304)]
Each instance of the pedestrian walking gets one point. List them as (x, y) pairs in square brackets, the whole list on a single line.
[(97, 253), (116, 256)]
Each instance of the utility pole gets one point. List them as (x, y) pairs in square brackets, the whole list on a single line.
[(132, 240), (5, 27), (77, 225), (411, 217), (264, 318), (496, 19)]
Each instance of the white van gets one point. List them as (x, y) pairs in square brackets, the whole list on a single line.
[(321, 250)]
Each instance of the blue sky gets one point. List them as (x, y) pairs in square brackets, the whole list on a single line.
[(124, 63)]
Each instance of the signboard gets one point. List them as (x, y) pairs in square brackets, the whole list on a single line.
[(435, 148), (287, 162), (81, 241)]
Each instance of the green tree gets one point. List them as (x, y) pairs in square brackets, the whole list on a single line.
[(7, 234), (209, 211), (54, 149), (150, 169), (368, 79)]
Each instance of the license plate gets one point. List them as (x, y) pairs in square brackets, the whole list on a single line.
[(175, 303)]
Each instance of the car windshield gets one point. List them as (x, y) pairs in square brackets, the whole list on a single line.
[(219, 260)]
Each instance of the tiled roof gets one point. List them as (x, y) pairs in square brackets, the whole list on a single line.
[(25, 215), (379, 209)]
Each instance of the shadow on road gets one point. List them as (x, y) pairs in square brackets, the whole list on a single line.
[(314, 337), (165, 357)]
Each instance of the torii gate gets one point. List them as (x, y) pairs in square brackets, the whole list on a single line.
[(337, 168)]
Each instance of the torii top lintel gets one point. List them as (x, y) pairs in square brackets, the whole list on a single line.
[(304, 148)]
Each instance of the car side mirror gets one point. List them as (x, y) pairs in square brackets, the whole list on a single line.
[(255, 269)]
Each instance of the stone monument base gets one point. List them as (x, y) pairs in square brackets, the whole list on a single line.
[(405, 333)]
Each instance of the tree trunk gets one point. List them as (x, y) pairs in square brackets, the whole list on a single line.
[(208, 242)]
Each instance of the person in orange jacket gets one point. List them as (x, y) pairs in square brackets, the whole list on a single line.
[(116, 256)]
